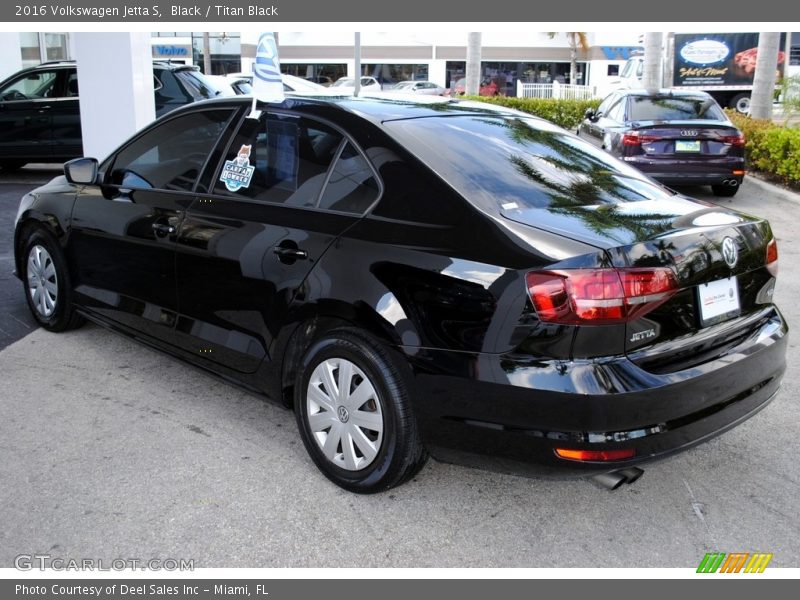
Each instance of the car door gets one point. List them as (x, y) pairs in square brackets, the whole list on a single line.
[(272, 208), (65, 114), (122, 239), (25, 115)]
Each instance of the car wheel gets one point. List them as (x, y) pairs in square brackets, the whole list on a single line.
[(741, 102), (725, 191), (354, 414), (47, 285)]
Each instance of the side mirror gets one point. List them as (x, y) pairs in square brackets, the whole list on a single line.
[(82, 171), (590, 114)]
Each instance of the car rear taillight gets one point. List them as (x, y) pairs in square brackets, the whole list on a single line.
[(595, 455), (733, 140), (635, 138), (772, 257), (598, 296)]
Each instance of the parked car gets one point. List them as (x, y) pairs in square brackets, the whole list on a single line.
[(291, 85), (488, 87), (522, 301), (420, 87), (40, 116), (346, 85), (676, 137)]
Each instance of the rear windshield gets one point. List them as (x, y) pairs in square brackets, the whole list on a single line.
[(668, 108), (197, 85), (505, 163)]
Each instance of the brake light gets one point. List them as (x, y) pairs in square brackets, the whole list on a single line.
[(733, 140), (635, 138), (772, 257), (599, 296), (595, 455)]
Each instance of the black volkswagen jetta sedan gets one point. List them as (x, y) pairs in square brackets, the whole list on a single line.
[(418, 277)]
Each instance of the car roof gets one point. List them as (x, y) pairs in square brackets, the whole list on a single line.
[(383, 108)]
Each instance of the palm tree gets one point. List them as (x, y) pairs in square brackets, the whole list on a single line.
[(577, 41), (764, 78)]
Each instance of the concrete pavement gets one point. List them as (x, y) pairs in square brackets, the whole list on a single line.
[(112, 450)]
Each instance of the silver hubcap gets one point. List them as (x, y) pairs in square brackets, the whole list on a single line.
[(344, 414), (42, 281)]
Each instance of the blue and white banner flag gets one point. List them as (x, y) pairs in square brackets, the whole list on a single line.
[(267, 82)]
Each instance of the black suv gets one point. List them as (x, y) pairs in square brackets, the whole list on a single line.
[(40, 117)]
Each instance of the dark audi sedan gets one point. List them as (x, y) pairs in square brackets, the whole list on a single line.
[(677, 137), (418, 277)]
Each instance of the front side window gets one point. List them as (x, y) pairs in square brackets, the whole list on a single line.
[(170, 156), (33, 86), (279, 158)]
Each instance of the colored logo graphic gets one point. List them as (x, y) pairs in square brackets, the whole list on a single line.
[(735, 562), (238, 172), (267, 67)]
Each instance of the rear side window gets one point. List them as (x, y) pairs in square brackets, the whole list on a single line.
[(352, 186), (668, 108), (171, 155), (196, 84), (279, 158)]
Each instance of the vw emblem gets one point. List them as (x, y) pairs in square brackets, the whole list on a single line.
[(689, 132), (344, 416), (729, 252)]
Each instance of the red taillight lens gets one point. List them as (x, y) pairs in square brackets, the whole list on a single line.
[(598, 296), (733, 140), (772, 257), (595, 455), (635, 138)]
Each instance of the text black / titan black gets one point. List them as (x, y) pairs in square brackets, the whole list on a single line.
[(418, 277)]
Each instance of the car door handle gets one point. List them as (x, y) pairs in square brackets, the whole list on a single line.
[(287, 252), (163, 229)]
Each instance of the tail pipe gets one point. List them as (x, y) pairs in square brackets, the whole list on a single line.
[(611, 481), (730, 182)]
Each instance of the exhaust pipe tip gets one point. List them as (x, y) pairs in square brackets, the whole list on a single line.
[(733, 183), (610, 481), (631, 474)]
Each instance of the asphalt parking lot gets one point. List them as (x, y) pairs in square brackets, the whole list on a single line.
[(110, 450)]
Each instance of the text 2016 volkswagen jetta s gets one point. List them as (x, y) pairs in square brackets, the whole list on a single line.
[(416, 278)]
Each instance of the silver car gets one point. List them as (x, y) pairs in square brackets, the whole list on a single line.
[(419, 87)]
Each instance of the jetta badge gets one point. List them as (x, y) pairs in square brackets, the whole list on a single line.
[(729, 252)]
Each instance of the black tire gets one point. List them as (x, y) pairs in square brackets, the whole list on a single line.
[(12, 165), (725, 191), (400, 454), (62, 315)]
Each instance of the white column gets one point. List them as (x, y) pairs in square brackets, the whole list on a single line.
[(10, 54), (115, 78), (437, 72)]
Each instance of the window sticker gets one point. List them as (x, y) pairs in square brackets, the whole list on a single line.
[(238, 173)]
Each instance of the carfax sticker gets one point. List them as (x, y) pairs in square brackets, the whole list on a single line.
[(238, 173)]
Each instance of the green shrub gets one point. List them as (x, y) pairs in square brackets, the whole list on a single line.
[(564, 113), (771, 148)]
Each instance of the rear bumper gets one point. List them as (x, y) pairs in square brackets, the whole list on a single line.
[(687, 171), (509, 413)]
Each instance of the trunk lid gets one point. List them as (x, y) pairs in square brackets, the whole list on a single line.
[(717, 255), (690, 139)]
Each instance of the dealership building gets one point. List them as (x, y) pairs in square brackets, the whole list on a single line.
[(390, 57), (324, 57)]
